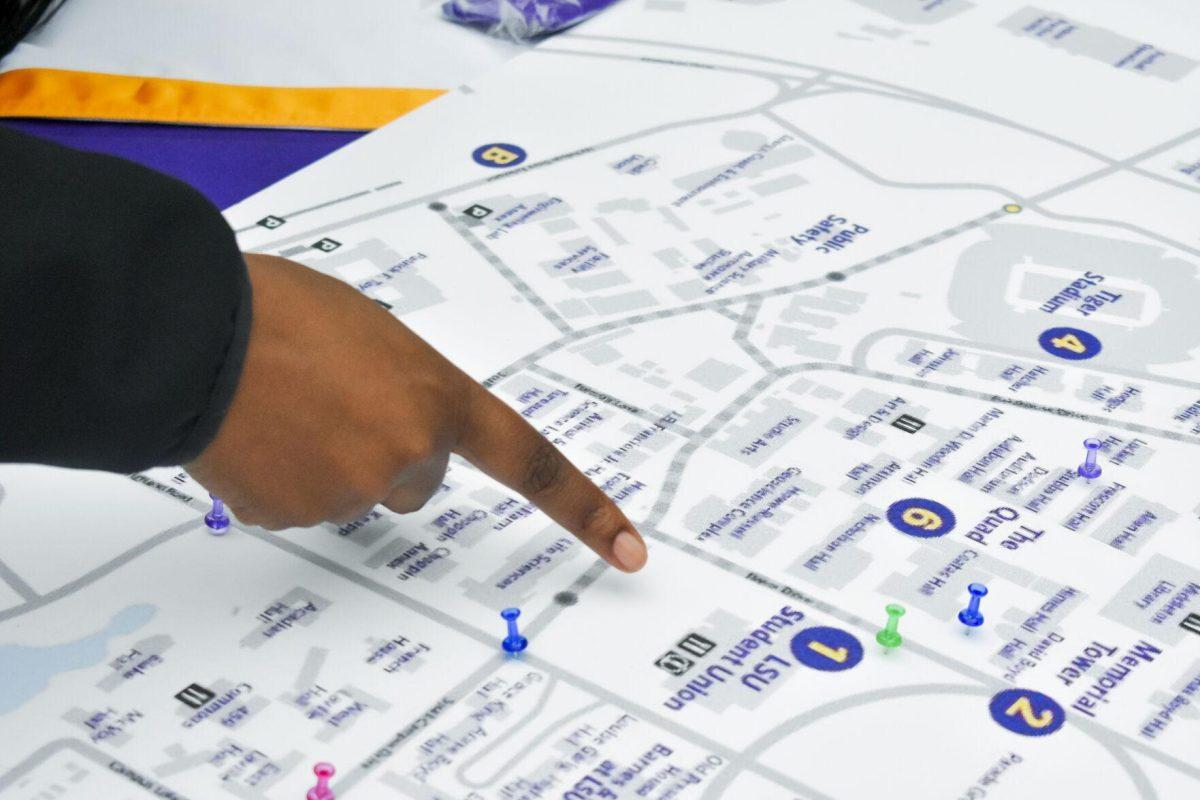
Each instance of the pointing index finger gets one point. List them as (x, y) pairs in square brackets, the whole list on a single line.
[(500, 442)]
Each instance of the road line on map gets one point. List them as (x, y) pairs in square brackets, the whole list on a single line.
[(1115, 166), (487, 254), (526, 723), (717, 303), (670, 725), (462, 187), (859, 357), (784, 729), (611, 401), (104, 569), (741, 335), (859, 168), (317, 207), (490, 667), (670, 486), (15, 582), (100, 759), (1112, 223), (929, 99)]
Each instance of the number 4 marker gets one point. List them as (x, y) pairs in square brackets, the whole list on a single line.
[(1069, 342), (839, 654)]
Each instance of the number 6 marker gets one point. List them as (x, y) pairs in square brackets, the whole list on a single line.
[(921, 517)]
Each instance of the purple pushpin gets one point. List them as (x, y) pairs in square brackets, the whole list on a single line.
[(1089, 468), (324, 771), (217, 520), (514, 642)]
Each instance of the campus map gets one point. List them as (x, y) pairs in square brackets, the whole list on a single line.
[(827, 297)]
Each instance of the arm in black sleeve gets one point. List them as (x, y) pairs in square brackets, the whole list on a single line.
[(124, 311)]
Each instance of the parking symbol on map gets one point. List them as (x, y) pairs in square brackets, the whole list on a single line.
[(827, 649), (271, 222), (326, 245), (921, 517), (908, 423), (498, 154), (1027, 712), (477, 211), (1072, 344)]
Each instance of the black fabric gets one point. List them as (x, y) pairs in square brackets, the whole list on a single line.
[(124, 311), (21, 17)]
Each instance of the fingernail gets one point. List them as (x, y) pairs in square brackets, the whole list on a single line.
[(629, 551)]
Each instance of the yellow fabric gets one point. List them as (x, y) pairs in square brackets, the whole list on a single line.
[(66, 94)]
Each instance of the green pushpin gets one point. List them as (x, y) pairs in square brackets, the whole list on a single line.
[(889, 637)]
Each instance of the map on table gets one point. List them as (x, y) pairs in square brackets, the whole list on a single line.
[(827, 297)]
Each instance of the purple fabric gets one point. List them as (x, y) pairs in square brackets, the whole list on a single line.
[(522, 20), (226, 164)]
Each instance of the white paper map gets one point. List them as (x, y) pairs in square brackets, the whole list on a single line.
[(827, 296)]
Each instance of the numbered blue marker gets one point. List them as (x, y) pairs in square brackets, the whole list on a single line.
[(827, 649), (498, 154), (1027, 712), (1072, 344), (921, 517)]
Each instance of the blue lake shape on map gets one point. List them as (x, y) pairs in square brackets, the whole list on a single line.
[(27, 670)]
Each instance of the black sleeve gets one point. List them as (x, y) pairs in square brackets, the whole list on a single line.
[(124, 311)]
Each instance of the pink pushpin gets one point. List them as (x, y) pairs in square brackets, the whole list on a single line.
[(324, 771)]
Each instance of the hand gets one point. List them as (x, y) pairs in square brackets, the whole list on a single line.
[(340, 407)]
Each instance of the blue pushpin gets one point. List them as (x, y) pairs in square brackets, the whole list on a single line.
[(970, 615), (1089, 468), (514, 642), (217, 520)]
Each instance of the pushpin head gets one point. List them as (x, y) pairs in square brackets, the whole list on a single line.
[(1089, 468), (217, 520), (324, 771), (513, 643), (970, 615), (889, 637)]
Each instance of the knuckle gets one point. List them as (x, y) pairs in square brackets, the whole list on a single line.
[(409, 499), (347, 515), (599, 518), (308, 519), (415, 449), (370, 486), (405, 505), (543, 469)]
